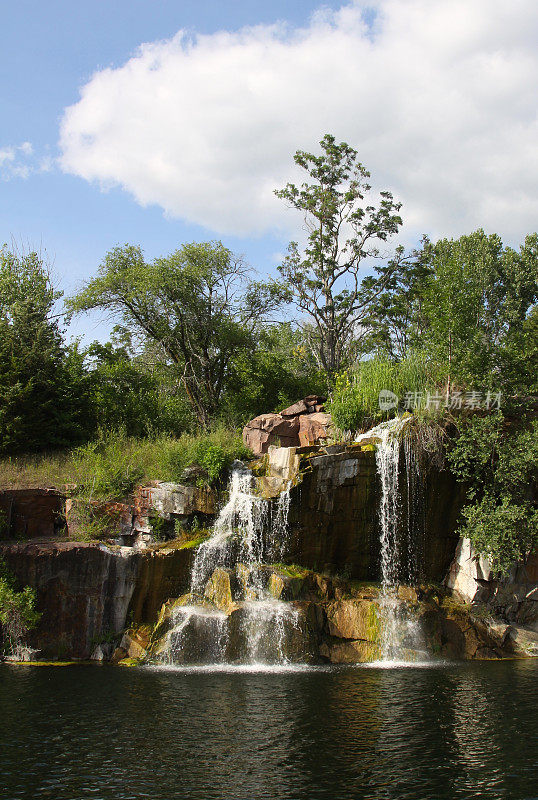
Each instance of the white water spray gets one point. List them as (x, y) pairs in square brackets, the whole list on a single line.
[(246, 534), (400, 632)]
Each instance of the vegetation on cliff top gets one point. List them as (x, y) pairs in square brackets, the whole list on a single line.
[(110, 466), (498, 462)]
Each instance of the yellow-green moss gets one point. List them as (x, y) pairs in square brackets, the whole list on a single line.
[(129, 662), (291, 570), (373, 623)]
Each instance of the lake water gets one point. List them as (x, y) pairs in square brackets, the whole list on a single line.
[(457, 731)]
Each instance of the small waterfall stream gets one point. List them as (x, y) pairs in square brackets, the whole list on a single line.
[(401, 639), (255, 627)]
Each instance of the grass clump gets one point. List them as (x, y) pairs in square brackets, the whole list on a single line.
[(355, 399)]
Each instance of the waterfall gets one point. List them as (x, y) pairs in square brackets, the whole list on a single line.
[(399, 554), (251, 626)]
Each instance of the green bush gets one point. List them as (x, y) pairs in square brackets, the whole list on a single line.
[(17, 611), (214, 452), (499, 465), (502, 531)]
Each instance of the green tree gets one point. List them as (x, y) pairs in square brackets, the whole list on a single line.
[(344, 229), (519, 357), (40, 379), (397, 320), (199, 305), (477, 296), (276, 373), (499, 466)]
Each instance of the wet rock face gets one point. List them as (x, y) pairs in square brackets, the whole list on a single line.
[(83, 592), (219, 590), (87, 591), (162, 573), (334, 515)]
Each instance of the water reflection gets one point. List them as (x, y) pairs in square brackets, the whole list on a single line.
[(465, 731)]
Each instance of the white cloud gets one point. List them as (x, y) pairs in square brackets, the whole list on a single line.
[(438, 96), (18, 161)]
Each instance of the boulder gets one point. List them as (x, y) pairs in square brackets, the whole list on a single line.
[(284, 428), (313, 428), (349, 652), (468, 573), (294, 410), (353, 619), (218, 589), (268, 429), (173, 499)]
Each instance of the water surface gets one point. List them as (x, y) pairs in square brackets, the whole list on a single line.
[(457, 731)]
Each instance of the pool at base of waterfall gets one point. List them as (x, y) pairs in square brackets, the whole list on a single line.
[(465, 730)]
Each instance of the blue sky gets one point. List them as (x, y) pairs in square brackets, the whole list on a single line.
[(49, 50), (185, 139)]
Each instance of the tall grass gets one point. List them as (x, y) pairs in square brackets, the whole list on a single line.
[(110, 466), (355, 399)]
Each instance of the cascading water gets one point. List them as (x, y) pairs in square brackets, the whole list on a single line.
[(256, 628), (401, 639)]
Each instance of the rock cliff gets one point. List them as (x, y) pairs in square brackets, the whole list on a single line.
[(90, 593)]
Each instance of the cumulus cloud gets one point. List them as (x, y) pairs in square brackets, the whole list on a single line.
[(438, 96)]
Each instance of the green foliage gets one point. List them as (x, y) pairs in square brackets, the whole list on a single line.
[(17, 611), (518, 357), (42, 402), (502, 531), (477, 296), (159, 527), (279, 371), (355, 399), (500, 468), (344, 228), (108, 467), (396, 321), (199, 306), (214, 452), (475, 454)]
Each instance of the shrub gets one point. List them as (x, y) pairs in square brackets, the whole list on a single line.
[(502, 531), (499, 465), (214, 452), (17, 612)]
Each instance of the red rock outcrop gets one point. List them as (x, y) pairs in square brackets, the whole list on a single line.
[(302, 423)]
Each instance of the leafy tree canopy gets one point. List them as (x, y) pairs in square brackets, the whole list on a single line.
[(200, 305), (345, 227)]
